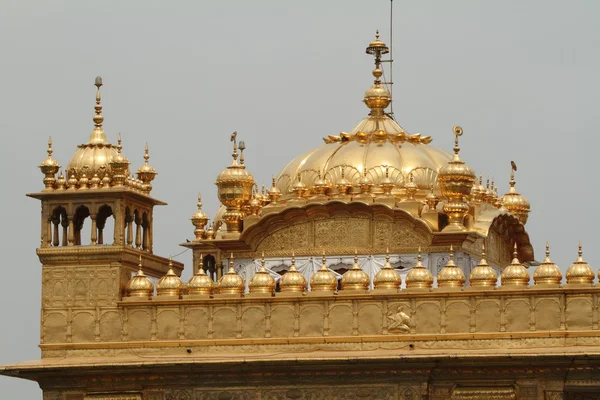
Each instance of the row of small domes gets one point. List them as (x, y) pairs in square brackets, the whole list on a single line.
[(419, 277)]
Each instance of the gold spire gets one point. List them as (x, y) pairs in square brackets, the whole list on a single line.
[(419, 277), (387, 277), (411, 187), (98, 136), (262, 281), (514, 202), (451, 275), (231, 282), (139, 285), (377, 97), (199, 220), (200, 284), (146, 173), (293, 280), (483, 275), (580, 271), (456, 180), (170, 284), (355, 278), (49, 168), (119, 166), (324, 279), (274, 193), (432, 200), (515, 274), (547, 273)]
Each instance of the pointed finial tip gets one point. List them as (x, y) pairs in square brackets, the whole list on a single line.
[(98, 82), (580, 249), (140, 262)]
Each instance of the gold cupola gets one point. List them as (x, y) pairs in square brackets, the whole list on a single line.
[(200, 283), (355, 278), (49, 168), (378, 141), (146, 173), (274, 193), (324, 280), (516, 203), (231, 282), (515, 274), (262, 281), (170, 284), (547, 273), (139, 285), (93, 157), (387, 277), (483, 275), (293, 281), (199, 220), (235, 185), (456, 181), (451, 276), (119, 166), (580, 271), (419, 277)]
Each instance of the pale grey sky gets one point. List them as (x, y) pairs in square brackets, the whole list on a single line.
[(520, 77)]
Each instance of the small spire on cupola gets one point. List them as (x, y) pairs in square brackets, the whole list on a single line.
[(547, 273), (199, 220), (419, 277), (98, 136), (580, 271), (515, 274), (119, 165), (514, 202), (377, 97), (49, 168), (146, 173)]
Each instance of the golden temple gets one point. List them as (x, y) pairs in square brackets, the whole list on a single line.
[(377, 266)]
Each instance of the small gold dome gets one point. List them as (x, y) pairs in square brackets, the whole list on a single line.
[(456, 181), (387, 277), (235, 182), (293, 280), (200, 283), (49, 168), (146, 173), (299, 187), (231, 282), (580, 271), (199, 220), (483, 275), (355, 278), (139, 285), (255, 203), (547, 273), (274, 193), (515, 274), (170, 284), (324, 280), (419, 277), (432, 200), (93, 157), (516, 203), (411, 187), (451, 275), (262, 281)]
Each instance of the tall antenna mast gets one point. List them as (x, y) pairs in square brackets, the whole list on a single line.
[(390, 83)]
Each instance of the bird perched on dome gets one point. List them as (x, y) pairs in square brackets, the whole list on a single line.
[(514, 202)]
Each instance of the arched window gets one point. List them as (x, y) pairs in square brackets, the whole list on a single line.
[(81, 214), (104, 222), (59, 217)]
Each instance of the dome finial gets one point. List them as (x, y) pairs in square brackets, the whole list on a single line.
[(580, 250), (377, 98), (234, 140), (547, 250), (98, 136), (242, 147), (146, 173), (457, 132)]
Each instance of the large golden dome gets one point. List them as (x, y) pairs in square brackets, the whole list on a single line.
[(376, 143)]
